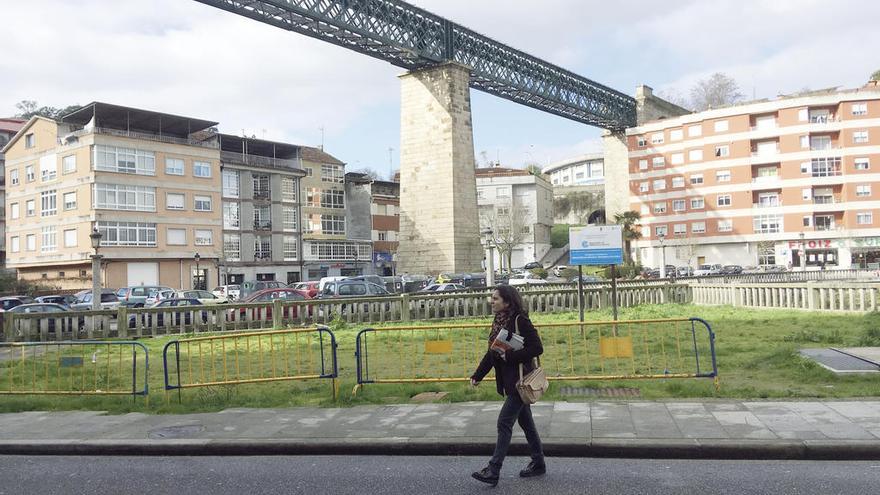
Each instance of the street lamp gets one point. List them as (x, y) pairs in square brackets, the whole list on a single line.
[(490, 257), (198, 284), (662, 237), (803, 253), (95, 237)]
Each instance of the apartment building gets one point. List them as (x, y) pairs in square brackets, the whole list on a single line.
[(261, 210), (8, 129), (575, 180), (518, 207), (790, 181), (385, 209), (140, 177), (327, 249)]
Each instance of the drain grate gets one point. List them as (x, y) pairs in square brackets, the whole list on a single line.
[(600, 392), (839, 362)]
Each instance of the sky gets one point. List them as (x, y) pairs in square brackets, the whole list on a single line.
[(186, 58)]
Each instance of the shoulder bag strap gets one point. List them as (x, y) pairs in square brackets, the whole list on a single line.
[(537, 359)]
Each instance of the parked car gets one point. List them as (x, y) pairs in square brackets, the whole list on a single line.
[(412, 283), (393, 284), (159, 295), (373, 279), (774, 268), (7, 303), (474, 280), (684, 271), (230, 292), (203, 296), (252, 286), (53, 317), (352, 288), (270, 295), (174, 314), (311, 288), (587, 279), (443, 288), (526, 279), (64, 300), (136, 296), (557, 270), (325, 280), (84, 300), (704, 270), (731, 270), (532, 265)]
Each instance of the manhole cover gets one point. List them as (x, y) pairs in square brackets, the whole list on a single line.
[(182, 431), (600, 392)]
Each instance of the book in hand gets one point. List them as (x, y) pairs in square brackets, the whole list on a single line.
[(506, 341)]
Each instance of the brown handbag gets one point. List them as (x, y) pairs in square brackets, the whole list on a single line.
[(532, 386)]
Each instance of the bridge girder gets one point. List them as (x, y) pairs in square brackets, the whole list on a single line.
[(413, 38)]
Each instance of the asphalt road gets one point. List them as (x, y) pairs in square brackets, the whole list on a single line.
[(422, 475)]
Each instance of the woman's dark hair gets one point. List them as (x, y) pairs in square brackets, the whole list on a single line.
[(511, 296)]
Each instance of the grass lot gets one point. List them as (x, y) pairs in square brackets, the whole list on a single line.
[(756, 350)]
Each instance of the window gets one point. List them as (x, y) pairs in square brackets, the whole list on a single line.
[(48, 203), (658, 161), (50, 242), (695, 155), (722, 151), (697, 179), (29, 173), (68, 164), (70, 238), (863, 190), (678, 182), (660, 184), (824, 167), (864, 218), (643, 164), (767, 172), (819, 143), (331, 173), (481, 193), (30, 208), (202, 203), (202, 169), (309, 171), (174, 166), (644, 187), (806, 167), (768, 224), (13, 177), (695, 130), (641, 141), (698, 203), (579, 175), (646, 231), (29, 140), (676, 134), (231, 184), (231, 215), (232, 247), (660, 208), (860, 108), (803, 115), (677, 158), (124, 160), (48, 168), (721, 126), (805, 142), (807, 194), (657, 138), (679, 229), (14, 210), (204, 237), (176, 237), (261, 186), (70, 200), (660, 230), (725, 225), (289, 247), (15, 244), (333, 224), (698, 228), (723, 200), (860, 137), (862, 163), (175, 201), (331, 198), (288, 218), (262, 247), (502, 192), (678, 205), (722, 176), (128, 234), (262, 218), (31, 241), (288, 189), (126, 198), (382, 236)]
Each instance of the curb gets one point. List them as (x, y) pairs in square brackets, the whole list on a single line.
[(612, 448)]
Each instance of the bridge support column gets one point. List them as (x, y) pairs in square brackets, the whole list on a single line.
[(439, 223)]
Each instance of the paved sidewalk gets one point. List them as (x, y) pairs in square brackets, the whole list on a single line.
[(714, 429)]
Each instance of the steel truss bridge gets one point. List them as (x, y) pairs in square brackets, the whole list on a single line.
[(413, 38)]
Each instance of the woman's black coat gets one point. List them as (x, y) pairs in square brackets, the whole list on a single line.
[(507, 369)]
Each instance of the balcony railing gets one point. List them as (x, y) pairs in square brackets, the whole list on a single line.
[(262, 225), (832, 172), (262, 255), (823, 119), (764, 179), (772, 204), (147, 136), (764, 127), (260, 161), (756, 153), (261, 194), (824, 200)]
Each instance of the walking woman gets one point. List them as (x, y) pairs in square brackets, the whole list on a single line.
[(510, 315)]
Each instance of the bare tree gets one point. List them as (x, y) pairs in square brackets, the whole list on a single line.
[(369, 172), (510, 228), (715, 91), (674, 96), (29, 108)]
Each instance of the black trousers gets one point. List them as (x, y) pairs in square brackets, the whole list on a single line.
[(515, 410)]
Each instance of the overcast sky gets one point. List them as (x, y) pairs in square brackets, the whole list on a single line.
[(183, 57)]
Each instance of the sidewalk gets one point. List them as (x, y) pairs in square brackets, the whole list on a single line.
[(713, 429)]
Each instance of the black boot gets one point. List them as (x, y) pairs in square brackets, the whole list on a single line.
[(534, 468), (487, 475)]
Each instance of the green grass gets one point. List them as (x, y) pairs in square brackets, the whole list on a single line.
[(756, 350)]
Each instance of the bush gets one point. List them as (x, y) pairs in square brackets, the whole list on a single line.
[(559, 235), (539, 272), (12, 286), (629, 270)]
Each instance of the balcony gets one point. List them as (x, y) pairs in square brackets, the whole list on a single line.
[(262, 225), (767, 204), (260, 161), (263, 256), (147, 136), (262, 194)]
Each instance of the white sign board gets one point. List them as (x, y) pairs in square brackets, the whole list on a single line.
[(596, 245)]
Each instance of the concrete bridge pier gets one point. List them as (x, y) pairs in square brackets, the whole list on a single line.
[(439, 222)]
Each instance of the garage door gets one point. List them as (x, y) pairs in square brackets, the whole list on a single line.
[(143, 274)]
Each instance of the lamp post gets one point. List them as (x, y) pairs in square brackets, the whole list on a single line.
[(490, 258), (803, 253), (95, 237), (198, 284), (662, 237)]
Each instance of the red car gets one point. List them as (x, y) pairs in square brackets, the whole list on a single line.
[(268, 296), (311, 288)]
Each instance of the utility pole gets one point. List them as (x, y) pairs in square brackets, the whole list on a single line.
[(390, 164)]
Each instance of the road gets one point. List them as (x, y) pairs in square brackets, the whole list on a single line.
[(49, 475)]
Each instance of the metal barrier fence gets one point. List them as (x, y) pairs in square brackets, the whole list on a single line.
[(255, 357), (74, 368), (605, 350)]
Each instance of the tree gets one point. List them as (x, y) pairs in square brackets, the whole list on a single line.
[(674, 96), (369, 172), (581, 204), (29, 108), (629, 220), (715, 91), (534, 169), (509, 226), (875, 76)]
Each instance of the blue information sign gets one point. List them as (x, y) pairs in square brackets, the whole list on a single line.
[(596, 245)]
